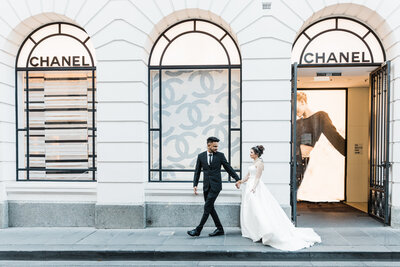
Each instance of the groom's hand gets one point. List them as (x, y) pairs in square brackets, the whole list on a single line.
[(195, 190), (237, 184)]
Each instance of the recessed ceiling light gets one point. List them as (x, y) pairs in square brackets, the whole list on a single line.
[(322, 79)]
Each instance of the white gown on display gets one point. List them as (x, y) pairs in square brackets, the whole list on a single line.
[(262, 218), (324, 176)]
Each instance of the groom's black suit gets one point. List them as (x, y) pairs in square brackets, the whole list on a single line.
[(212, 183)]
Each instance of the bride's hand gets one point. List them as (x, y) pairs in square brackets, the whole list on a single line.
[(253, 190)]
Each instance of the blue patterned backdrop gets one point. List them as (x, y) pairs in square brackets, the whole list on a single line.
[(194, 107)]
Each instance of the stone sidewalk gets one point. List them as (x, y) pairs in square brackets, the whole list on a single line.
[(173, 244)]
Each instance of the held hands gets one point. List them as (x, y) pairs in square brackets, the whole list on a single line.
[(238, 183)]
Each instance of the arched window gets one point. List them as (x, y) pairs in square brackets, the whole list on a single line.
[(338, 40), (55, 105), (194, 93)]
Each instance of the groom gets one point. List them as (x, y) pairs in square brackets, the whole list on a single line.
[(210, 161)]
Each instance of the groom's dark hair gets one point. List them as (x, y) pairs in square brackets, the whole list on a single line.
[(212, 139)]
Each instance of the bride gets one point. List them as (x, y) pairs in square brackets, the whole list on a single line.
[(262, 218)]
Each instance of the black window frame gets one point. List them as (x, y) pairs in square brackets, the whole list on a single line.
[(362, 38), (161, 67), (26, 129)]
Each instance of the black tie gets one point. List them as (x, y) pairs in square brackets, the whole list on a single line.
[(210, 158)]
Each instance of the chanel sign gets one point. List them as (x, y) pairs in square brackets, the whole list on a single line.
[(336, 57), (55, 61), (57, 45), (337, 41)]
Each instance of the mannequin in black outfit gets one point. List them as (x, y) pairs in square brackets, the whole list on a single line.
[(210, 161), (310, 126)]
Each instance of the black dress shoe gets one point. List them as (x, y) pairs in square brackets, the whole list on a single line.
[(217, 232), (193, 232)]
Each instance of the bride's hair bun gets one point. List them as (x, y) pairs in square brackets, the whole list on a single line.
[(259, 150)]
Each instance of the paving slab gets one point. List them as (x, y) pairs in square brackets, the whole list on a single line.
[(347, 243)]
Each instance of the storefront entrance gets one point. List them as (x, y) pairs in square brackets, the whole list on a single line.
[(340, 119), (339, 141)]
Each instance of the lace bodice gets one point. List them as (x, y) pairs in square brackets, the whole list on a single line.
[(252, 171), (255, 170)]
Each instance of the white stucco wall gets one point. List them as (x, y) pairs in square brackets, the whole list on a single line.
[(122, 33)]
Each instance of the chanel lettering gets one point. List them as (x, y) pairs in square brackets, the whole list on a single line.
[(69, 61), (339, 57)]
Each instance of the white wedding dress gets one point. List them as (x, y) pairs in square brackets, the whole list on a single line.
[(262, 218)]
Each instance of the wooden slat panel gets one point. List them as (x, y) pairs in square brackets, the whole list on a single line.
[(60, 116)]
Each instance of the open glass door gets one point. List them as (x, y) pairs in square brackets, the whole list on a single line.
[(378, 200), (293, 159)]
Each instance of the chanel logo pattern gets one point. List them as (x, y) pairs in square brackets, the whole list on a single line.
[(195, 105)]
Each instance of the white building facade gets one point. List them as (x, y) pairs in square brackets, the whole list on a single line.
[(104, 105)]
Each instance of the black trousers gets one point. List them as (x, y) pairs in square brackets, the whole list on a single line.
[(209, 198)]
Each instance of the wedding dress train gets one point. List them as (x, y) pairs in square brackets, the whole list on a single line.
[(262, 218)]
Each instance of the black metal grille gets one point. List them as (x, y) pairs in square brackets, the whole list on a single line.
[(378, 204)]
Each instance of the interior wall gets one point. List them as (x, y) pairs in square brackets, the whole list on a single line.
[(357, 145)]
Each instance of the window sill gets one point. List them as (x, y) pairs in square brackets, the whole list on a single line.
[(45, 191)]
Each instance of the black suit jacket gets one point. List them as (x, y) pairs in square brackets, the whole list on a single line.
[(212, 174)]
